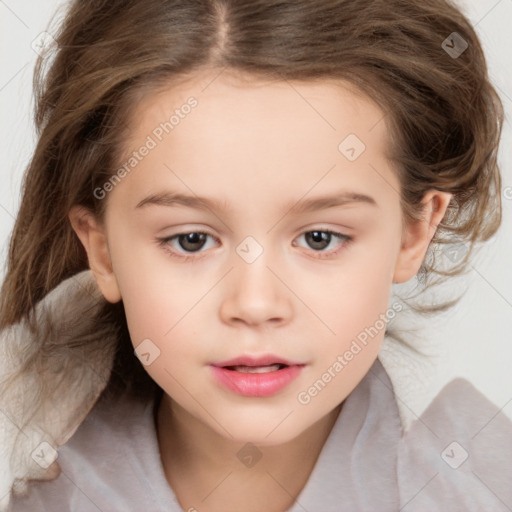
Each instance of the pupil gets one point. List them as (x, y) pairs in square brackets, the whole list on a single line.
[(319, 237), (188, 241)]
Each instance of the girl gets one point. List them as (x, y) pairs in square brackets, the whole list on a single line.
[(200, 274)]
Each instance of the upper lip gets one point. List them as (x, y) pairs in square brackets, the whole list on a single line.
[(263, 360)]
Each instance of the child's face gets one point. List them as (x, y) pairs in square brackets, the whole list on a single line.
[(260, 282)]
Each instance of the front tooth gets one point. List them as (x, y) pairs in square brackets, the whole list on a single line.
[(256, 369)]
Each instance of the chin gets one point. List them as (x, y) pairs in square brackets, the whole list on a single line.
[(262, 432)]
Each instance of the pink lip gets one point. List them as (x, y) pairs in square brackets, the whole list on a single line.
[(256, 384), (265, 359)]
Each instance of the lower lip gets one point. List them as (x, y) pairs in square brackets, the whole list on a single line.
[(256, 384)]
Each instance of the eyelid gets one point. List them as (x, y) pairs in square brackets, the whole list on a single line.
[(164, 242), (345, 240)]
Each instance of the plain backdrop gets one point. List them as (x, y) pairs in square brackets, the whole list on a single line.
[(475, 338)]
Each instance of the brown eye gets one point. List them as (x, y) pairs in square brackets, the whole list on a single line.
[(185, 245), (192, 241), (320, 239)]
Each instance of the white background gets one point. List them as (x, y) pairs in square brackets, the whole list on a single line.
[(475, 339)]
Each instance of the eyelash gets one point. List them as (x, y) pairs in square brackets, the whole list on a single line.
[(164, 243)]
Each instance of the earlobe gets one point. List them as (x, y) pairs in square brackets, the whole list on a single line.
[(93, 237), (419, 235)]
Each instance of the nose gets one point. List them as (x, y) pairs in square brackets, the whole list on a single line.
[(255, 295)]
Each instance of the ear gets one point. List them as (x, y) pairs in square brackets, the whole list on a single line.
[(418, 235), (93, 237)]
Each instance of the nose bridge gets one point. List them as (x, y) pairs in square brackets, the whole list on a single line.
[(253, 275), (254, 294)]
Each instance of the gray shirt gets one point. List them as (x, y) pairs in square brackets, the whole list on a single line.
[(456, 456)]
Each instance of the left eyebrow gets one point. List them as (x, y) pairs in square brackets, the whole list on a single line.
[(175, 199), (342, 198), (308, 205)]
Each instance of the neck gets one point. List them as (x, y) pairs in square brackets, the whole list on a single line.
[(211, 473)]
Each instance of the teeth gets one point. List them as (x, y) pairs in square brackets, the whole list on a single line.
[(256, 369)]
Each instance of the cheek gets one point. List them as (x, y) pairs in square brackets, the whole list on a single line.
[(161, 324), (354, 297), (356, 309), (155, 308), (151, 296), (161, 308), (354, 306)]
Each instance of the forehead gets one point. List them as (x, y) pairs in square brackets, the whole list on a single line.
[(307, 108), (244, 133)]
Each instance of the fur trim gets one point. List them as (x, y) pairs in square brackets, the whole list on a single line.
[(70, 362)]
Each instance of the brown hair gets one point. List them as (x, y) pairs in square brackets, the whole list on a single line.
[(444, 115)]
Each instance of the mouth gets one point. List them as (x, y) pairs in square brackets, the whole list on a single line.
[(256, 369), (250, 361), (256, 376)]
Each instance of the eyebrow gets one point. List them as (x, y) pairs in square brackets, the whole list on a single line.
[(308, 205)]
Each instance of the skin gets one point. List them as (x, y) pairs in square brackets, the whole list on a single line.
[(259, 147)]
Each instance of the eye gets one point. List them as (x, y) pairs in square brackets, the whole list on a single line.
[(321, 239), (191, 242)]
